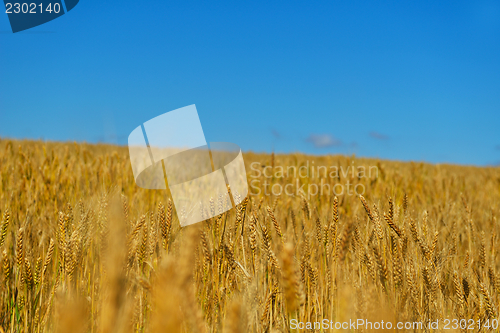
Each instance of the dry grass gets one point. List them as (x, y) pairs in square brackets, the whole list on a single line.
[(85, 250)]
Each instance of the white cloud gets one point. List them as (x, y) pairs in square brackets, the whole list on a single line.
[(323, 140)]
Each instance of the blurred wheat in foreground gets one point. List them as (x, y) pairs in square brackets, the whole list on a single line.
[(83, 249)]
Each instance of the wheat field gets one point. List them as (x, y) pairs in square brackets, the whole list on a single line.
[(83, 249)]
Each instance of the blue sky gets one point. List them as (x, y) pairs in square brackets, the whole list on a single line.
[(404, 81)]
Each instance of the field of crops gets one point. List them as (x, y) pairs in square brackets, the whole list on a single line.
[(83, 249)]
